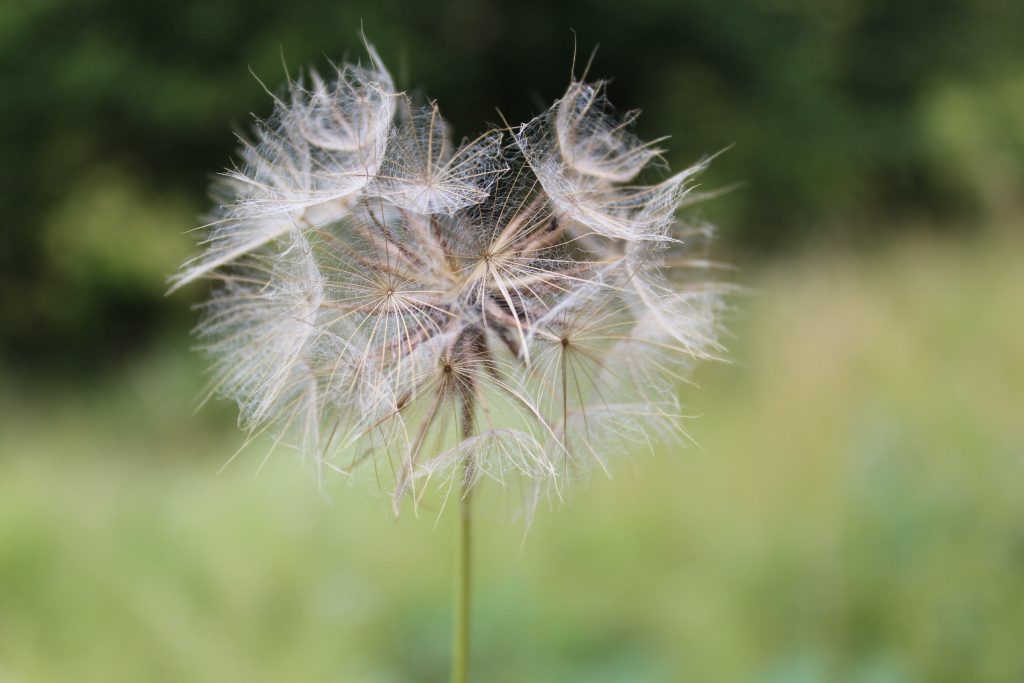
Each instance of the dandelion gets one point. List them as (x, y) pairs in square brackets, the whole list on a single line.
[(515, 308)]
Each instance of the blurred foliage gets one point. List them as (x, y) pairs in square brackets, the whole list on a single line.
[(839, 113), (854, 514)]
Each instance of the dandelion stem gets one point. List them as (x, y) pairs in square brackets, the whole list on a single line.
[(460, 632)]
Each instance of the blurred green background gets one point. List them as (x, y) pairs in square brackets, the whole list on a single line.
[(853, 511)]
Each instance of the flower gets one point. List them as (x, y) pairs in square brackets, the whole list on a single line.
[(512, 308)]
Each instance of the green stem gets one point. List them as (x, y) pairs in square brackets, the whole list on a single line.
[(460, 632)]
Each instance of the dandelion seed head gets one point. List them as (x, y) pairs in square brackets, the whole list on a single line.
[(513, 309)]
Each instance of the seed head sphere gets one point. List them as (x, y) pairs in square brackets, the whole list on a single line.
[(517, 307)]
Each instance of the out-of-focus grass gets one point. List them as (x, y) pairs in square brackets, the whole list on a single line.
[(854, 514)]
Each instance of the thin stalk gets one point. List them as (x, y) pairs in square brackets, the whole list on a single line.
[(463, 539), (460, 632)]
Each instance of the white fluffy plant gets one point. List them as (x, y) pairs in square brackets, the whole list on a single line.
[(517, 307)]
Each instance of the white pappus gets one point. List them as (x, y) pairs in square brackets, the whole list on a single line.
[(516, 307)]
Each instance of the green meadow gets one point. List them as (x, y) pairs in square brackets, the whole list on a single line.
[(850, 509)]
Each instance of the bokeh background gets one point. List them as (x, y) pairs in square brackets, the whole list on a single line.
[(852, 510)]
